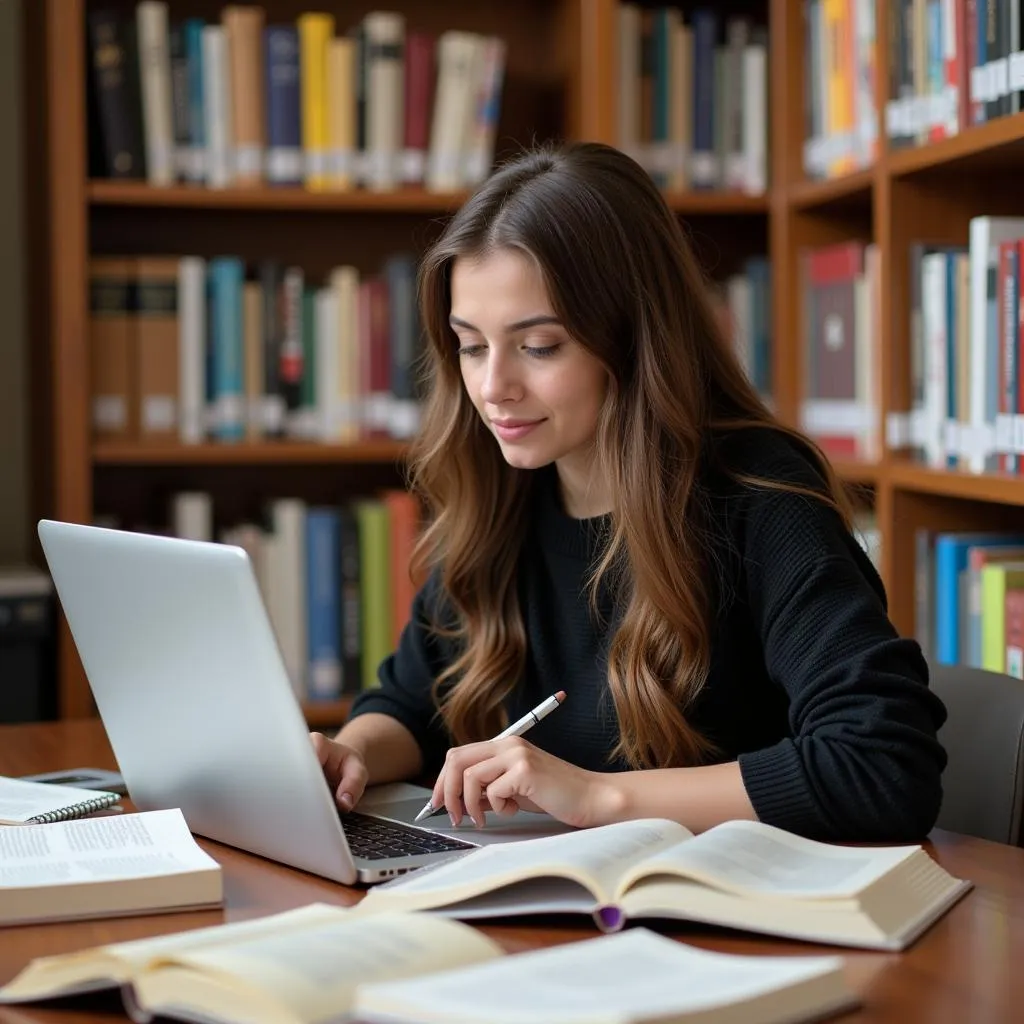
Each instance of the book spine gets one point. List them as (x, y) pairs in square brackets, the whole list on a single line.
[(155, 78), (315, 30), (323, 600), (114, 69), (195, 170), (228, 383), (284, 123)]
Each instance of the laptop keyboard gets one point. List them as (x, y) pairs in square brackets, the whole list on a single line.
[(374, 839)]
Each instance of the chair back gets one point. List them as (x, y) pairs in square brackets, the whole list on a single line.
[(983, 785)]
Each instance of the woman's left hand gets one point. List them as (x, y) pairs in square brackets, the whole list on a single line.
[(512, 774)]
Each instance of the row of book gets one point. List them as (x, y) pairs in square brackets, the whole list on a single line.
[(969, 599), (966, 322), (693, 98), (953, 64), (242, 102), (335, 579), (189, 349), (840, 69), (841, 407)]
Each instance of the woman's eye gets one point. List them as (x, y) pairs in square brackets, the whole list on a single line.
[(542, 351), (469, 350)]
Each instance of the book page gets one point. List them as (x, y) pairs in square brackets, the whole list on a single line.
[(22, 799), (92, 849), (751, 858), (313, 971), (121, 960), (593, 857), (635, 975)]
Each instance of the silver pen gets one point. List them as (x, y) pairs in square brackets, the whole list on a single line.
[(525, 724)]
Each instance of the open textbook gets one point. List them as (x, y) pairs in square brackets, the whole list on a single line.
[(322, 963), (740, 874), (104, 867)]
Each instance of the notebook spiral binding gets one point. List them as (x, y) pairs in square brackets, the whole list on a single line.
[(79, 810)]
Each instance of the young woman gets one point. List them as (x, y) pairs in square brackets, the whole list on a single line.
[(615, 514)]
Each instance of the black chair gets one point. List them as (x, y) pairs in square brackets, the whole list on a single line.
[(983, 785)]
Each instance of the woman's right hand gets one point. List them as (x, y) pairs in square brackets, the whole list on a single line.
[(344, 770)]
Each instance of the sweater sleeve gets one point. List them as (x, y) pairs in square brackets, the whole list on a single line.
[(862, 761), (406, 678)]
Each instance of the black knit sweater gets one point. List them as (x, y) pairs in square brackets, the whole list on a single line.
[(810, 687)]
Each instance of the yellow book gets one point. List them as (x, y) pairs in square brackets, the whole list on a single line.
[(341, 113), (315, 33), (996, 579)]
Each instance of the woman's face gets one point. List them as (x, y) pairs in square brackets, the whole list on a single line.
[(539, 392)]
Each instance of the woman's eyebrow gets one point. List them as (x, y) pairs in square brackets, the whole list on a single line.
[(519, 325)]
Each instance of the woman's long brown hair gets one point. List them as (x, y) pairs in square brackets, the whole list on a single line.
[(622, 278)]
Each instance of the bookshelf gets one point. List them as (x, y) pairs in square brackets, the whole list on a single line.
[(561, 83)]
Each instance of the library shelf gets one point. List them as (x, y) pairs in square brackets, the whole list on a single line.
[(140, 194), (856, 471), (696, 201), (845, 190), (171, 453), (998, 143), (320, 713), (999, 488)]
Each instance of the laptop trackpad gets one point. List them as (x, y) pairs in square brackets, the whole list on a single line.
[(402, 801)]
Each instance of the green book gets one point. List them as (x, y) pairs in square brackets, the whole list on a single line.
[(375, 591), (996, 579)]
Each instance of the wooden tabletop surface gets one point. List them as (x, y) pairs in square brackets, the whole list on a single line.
[(968, 968)]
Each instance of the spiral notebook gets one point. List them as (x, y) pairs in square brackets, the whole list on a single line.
[(39, 803)]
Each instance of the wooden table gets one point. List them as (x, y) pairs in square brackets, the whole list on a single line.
[(968, 968)]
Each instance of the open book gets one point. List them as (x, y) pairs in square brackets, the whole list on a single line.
[(740, 874), (104, 867), (23, 802), (321, 963)]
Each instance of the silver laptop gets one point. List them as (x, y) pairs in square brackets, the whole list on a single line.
[(200, 713)]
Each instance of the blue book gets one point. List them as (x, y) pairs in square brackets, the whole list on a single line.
[(323, 602), (284, 131), (950, 563), (705, 37), (226, 390), (195, 161)]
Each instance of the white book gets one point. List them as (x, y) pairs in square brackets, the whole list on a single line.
[(104, 867), (936, 364), (457, 56), (217, 108), (486, 109), (633, 978), (192, 349), (192, 515), (740, 874), (155, 83), (288, 581), (755, 120), (385, 98)]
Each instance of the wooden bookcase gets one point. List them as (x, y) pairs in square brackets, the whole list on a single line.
[(560, 83)]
